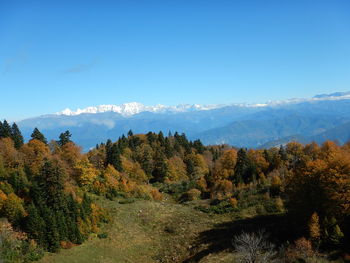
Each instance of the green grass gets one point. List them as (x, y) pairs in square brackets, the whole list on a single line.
[(142, 231)]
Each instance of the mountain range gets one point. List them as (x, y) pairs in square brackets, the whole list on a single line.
[(322, 117)]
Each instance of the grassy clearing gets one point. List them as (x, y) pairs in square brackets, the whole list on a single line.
[(143, 231), (163, 232)]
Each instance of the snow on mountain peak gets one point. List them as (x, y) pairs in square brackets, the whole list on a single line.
[(132, 108)]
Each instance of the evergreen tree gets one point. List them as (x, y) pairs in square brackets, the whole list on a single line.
[(151, 137), (37, 135), (168, 149), (16, 136), (161, 168), (283, 154), (197, 144), (123, 143), (161, 139), (35, 225), (242, 166), (64, 138), (113, 157), (52, 234), (54, 186), (5, 131)]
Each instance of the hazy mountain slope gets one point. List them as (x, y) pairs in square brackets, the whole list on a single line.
[(254, 133), (339, 133), (320, 118)]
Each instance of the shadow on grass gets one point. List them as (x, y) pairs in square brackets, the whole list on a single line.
[(220, 237)]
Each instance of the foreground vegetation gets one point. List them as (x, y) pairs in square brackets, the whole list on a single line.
[(156, 198)]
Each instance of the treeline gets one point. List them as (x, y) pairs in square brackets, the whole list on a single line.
[(44, 184), (43, 206)]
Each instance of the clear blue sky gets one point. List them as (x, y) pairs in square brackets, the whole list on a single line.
[(58, 54)]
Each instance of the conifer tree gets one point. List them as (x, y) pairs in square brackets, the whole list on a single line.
[(197, 144), (113, 153), (54, 185), (5, 131), (16, 136), (161, 139), (168, 149), (52, 234), (241, 169), (161, 168), (64, 138), (35, 226), (37, 135), (130, 133)]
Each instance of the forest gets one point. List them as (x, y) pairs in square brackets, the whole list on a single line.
[(291, 203)]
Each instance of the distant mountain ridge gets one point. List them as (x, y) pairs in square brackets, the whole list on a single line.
[(325, 116), (132, 108)]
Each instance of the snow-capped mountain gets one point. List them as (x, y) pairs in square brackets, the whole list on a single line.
[(321, 117), (132, 108)]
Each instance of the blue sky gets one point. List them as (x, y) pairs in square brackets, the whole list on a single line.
[(58, 54)]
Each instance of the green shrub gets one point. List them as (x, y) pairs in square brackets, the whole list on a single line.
[(102, 235), (127, 201), (190, 195)]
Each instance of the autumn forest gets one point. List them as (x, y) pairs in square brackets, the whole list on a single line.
[(292, 200)]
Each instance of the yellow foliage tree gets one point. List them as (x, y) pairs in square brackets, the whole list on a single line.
[(35, 152), (85, 172), (314, 227), (10, 156), (177, 170), (133, 170), (13, 208)]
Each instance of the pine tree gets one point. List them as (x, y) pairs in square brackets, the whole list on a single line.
[(64, 138), (5, 131), (113, 157), (54, 185), (197, 144), (37, 135), (161, 139), (151, 137), (52, 234), (241, 169), (168, 149), (16, 136), (35, 225), (161, 168)]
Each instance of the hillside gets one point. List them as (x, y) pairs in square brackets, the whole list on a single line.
[(155, 198), (143, 231)]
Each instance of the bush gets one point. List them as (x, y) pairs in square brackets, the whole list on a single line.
[(102, 235), (127, 201), (253, 248), (218, 207), (156, 195), (260, 210), (302, 251), (16, 247), (190, 195), (233, 201)]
